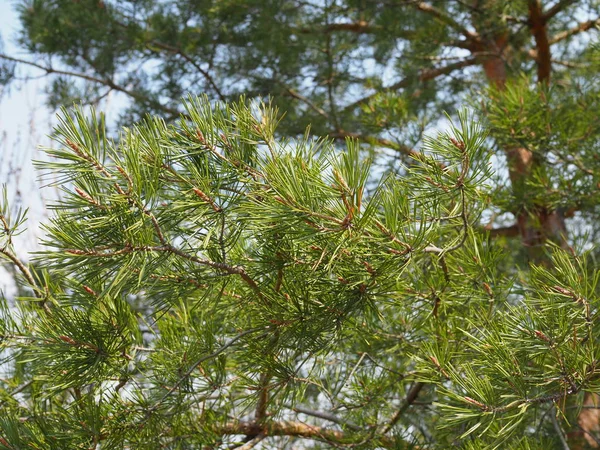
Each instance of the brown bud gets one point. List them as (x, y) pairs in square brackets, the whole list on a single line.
[(475, 402), (89, 290), (458, 144), (488, 289), (68, 340), (541, 336)]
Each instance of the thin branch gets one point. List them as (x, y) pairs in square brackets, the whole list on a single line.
[(307, 101), (423, 76), (188, 58), (22, 268), (168, 248), (263, 398), (295, 429), (570, 65), (331, 74), (358, 27), (252, 443), (580, 28), (412, 395), (105, 82), (200, 361), (559, 431), (326, 416), (374, 140), (465, 224), (446, 19)]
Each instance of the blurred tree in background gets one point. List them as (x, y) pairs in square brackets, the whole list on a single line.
[(234, 277)]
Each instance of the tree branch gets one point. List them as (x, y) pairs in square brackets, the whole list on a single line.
[(295, 429), (168, 248), (446, 19), (558, 7), (412, 395), (307, 101), (358, 27), (263, 398), (375, 141), (251, 443), (22, 268)]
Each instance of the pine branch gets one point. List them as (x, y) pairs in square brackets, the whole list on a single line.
[(559, 431), (357, 27), (263, 398), (22, 268), (168, 248)]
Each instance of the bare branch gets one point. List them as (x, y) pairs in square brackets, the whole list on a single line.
[(251, 443), (263, 398)]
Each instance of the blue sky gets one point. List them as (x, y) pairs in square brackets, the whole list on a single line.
[(24, 120)]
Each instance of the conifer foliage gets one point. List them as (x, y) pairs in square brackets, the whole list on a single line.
[(206, 283)]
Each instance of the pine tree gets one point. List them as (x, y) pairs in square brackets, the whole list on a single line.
[(216, 276)]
